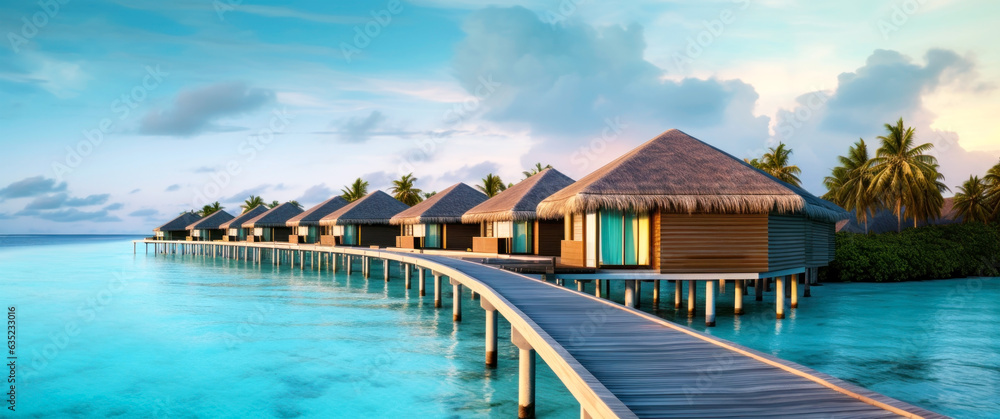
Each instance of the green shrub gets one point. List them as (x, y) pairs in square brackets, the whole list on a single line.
[(933, 252)]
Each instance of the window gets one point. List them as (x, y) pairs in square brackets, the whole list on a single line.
[(432, 235), (624, 238), (522, 239), (488, 229), (351, 235)]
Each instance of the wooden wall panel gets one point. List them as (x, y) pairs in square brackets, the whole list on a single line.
[(713, 243), (572, 253), (656, 234), (381, 235), (786, 236), (548, 236), (459, 236)]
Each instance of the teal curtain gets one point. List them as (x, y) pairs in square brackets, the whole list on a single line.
[(432, 236), (351, 235), (611, 237), (631, 238), (522, 237)]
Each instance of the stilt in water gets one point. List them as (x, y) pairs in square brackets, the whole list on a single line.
[(656, 294), (779, 305), (692, 295), (738, 302), (758, 289), (437, 290), (710, 304), (630, 293), (805, 284), (794, 279), (491, 334), (678, 291), (421, 276), (526, 376), (456, 300)]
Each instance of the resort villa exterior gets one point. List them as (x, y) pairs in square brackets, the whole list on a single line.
[(364, 222), (176, 229), (210, 227), (509, 224), (305, 226), (271, 225), (436, 223), (234, 228), (678, 208)]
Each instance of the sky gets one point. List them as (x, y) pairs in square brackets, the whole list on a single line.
[(118, 115)]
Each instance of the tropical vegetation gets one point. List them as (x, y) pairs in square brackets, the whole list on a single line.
[(355, 191), (492, 185), (210, 209), (252, 202), (404, 191), (535, 170), (777, 162)]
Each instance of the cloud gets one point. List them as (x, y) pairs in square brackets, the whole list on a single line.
[(568, 83), (205, 169), (32, 186), (89, 200), (75, 215), (114, 207), (145, 212), (359, 129), (198, 110), (174, 187), (59, 200), (244, 194), (470, 175), (316, 194), (379, 180), (889, 86), (135, 191)]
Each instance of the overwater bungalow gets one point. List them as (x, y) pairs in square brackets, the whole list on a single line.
[(210, 227), (271, 225), (436, 223), (364, 222), (679, 207), (305, 226), (234, 228), (176, 229), (508, 222)]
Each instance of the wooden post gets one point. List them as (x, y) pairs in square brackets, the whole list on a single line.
[(779, 305), (722, 286), (580, 285), (421, 276), (366, 266), (738, 303), (758, 289), (598, 288), (526, 376), (678, 291), (794, 279), (692, 295), (805, 284), (491, 334), (348, 264), (638, 293), (407, 274), (656, 294), (385, 269), (456, 300), (437, 290), (710, 304), (629, 293)]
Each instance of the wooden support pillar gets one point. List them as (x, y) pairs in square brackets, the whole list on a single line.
[(638, 294), (437, 290), (722, 286), (302, 260), (805, 284), (421, 276), (794, 279), (581, 285), (526, 376), (710, 303), (767, 284), (385, 269), (656, 294), (598, 288), (758, 289), (407, 274), (738, 302), (692, 296), (491, 334), (456, 300), (366, 266), (678, 293), (629, 293), (779, 305), (347, 264)]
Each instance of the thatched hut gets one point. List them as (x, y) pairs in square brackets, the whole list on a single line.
[(508, 222), (210, 227), (437, 223), (176, 229), (364, 222), (678, 205), (305, 226), (271, 225), (234, 228)]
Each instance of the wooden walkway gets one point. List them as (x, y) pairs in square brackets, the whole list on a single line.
[(621, 362)]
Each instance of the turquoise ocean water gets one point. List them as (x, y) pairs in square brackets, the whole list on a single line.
[(104, 333)]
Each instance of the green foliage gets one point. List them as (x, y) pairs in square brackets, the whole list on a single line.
[(933, 252)]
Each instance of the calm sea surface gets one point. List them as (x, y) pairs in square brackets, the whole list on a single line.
[(104, 333)]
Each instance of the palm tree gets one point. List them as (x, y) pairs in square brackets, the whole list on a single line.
[(776, 161), (295, 203), (252, 202), (904, 176), (849, 184), (492, 185), (755, 163), (429, 194), (404, 191), (355, 191), (535, 170), (273, 204), (210, 209), (972, 201), (992, 182)]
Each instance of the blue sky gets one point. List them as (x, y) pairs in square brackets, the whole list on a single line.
[(117, 115)]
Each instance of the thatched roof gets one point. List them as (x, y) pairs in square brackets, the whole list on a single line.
[(244, 217), (179, 223), (213, 222), (375, 208), (274, 217), (518, 203), (446, 206), (678, 173), (311, 216)]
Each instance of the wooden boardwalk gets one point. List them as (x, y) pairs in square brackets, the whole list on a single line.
[(621, 362)]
